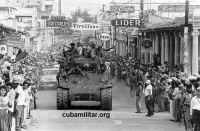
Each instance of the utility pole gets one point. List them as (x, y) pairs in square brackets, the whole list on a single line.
[(141, 26), (185, 50), (142, 11), (103, 11), (59, 7), (103, 7)]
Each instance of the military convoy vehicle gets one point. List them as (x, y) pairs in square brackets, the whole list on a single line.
[(83, 85)]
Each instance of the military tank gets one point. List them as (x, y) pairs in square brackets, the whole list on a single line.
[(84, 85)]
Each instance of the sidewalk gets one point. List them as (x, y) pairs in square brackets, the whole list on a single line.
[(28, 122)]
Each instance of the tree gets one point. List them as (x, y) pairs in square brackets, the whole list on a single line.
[(82, 14)]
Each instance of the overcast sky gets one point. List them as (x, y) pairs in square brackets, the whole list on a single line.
[(95, 5)]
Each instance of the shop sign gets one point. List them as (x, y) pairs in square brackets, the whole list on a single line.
[(77, 33), (147, 43), (44, 15), (58, 18), (3, 49), (126, 22), (85, 26), (11, 41), (122, 8), (58, 23), (65, 31), (104, 37), (15, 37)]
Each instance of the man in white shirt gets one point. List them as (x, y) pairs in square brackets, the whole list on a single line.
[(195, 110), (148, 98), (11, 95), (80, 48), (20, 103)]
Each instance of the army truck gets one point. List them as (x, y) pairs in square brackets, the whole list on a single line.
[(83, 85)]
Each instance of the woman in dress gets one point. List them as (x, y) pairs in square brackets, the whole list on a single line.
[(4, 105)]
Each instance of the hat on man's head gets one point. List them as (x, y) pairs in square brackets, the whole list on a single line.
[(183, 78), (148, 82), (174, 78), (72, 44), (198, 78), (192, 78), (198, 89)]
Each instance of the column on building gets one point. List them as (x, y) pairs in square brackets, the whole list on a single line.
[(166, 47), (156, 43), (176, 52), (146, 57), (150, 52), (195, 65), (162, 49), (171, 51), (185, 50), (189, 53), (181, 47)]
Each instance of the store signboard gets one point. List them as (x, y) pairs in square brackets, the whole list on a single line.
[(58, 23), (65, 31), (85, 26), (147, 43), (77, 33), (126, 22), (3, 49), (122, 8), (44, 15), (104, 37), (62, 18)]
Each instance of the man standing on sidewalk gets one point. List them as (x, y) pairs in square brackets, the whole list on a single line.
[(185, 105), (139, 92), (148, 98), (195, 110), (20, 102)]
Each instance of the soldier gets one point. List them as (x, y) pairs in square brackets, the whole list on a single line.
[(185, 106), (72, 52)]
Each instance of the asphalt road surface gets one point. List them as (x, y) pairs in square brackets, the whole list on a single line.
[(121, 118)]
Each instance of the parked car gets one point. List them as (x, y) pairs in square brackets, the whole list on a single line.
[(48, 78)]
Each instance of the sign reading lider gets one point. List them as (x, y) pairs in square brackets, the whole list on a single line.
[(104, 37), (85, 26), (58, 21), (126, 22)]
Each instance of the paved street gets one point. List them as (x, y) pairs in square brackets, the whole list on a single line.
[(122, 117)]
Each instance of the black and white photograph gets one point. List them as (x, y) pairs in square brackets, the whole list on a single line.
[(100, 65)]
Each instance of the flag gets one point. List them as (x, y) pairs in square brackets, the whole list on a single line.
[(21, 56), (2, 61), (19, 52)]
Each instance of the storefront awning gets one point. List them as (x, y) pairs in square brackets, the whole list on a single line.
[(4, 27)]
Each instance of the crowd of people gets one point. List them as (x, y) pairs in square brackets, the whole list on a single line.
[(18, 91), (163, 89)]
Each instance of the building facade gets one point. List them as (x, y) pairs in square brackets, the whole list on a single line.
[(175, 44)]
